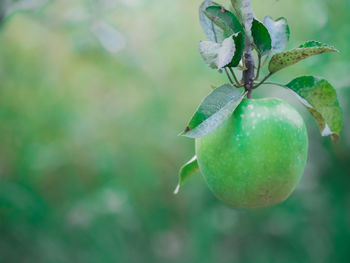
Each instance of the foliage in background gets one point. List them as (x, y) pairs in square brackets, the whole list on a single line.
[(88, 148)]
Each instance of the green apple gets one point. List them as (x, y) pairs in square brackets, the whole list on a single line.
[(258, 156)]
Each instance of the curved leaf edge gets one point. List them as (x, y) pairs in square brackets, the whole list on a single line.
[(325, 130), (188, 132), (186, 171), (260, 30), (307, 46)]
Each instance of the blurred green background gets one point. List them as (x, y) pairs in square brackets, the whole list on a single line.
[(92, 97)]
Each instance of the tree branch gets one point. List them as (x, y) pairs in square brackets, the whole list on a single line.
[(248, 74)]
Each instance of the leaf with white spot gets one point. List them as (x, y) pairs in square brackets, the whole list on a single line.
[(320, 99), (244, 12), (213, 111), (186, 171), (218, 55), (279, 32), (212, 31)]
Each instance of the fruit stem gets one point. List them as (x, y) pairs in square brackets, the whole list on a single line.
[(275, 84), (235, 77), (249, 72), (263, 80), (229, 77), (259, 66)]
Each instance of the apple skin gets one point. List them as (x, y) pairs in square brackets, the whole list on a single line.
[(258, 156)]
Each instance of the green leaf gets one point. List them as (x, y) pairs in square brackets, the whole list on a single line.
[(313, 43), (186, 171), (217, 55), (240, 45), (320, 98), (284, 59), (213, 111), (279, 32), (230, 25), (244, 12), (224, 19), (212, 31), (261, 37)]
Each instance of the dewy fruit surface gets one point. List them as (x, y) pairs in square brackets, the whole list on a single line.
[(258, 156)]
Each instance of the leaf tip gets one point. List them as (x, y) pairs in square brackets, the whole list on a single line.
[(223, 10), (176, 191), (335, 137), (184, 132)]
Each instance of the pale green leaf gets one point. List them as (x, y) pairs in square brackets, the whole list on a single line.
[(212, 31), (244, 12), (186, 171), (279, 32), (217, 55), (213, 111)]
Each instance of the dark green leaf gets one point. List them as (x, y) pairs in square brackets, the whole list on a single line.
[(261, 37), (240, 45), (320, 98), (288, 58), (212, 31), (279, 32), (213, 111), (186, 171), (224, 19), (244, 12), (317, 44), (217, 55)]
